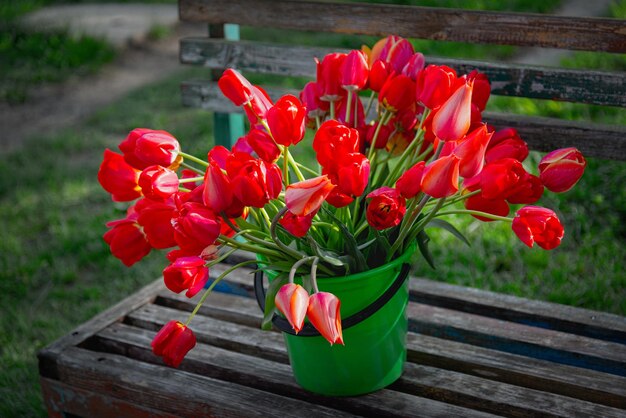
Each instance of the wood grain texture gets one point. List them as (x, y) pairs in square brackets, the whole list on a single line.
[(541, 133), (583, 86), (524, 29)]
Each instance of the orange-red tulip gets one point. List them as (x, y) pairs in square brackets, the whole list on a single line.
[(324, 313), (292, 300), (441, 177), (307, 196), (453, 118), (560, 170), (186, 273)]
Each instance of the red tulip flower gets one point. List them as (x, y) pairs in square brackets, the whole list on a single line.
[(334, 140), (441, 177), (117, 177), (254, 181), (434, 84), (506, 143), (286, 120), (534, 224), (256, 109), (158, 182), (499, 178), (262, 144), (236, 87), (354, 71), (386, 209), (527, 190), (126, 240), (195, 227), (306, 197), (173, 342), (186, 273), (452, 120), (396, 51), (482, 89), (471, 151), (145, 147), (292, 300), (328, 76), (560, 170), (398, 93), (379, 73), (310, 98), (410, 182), (351, 174), (155, 218), (414, 66), (217, 191), (324, 314), (296, 225)]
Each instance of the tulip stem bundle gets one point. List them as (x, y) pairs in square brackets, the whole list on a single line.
[(374, 189)]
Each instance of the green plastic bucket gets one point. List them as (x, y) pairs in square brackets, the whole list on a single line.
[(375, 349)]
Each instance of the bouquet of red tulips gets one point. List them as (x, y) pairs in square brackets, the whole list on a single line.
[(399, 145)]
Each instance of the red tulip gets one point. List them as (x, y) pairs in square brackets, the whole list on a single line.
[(379, 74), (242, 144), (386, 209), (126, 240), (534, 224), (217, 191), (500, 177), (219, 154), (258, 106), (433, 85), (296, 225), (398, 93), (452, 120), (310, 98), (186, 273), (328, 76), (471, 151), (324, 314), (173, 342), (506, 143), (396, 51), (292, 300), (350, 174), (527, 190), (307, 196), (495, 207), (254, 181), (127, 146), (410, 182), (286, 120), (157, 148), (155, 217), (441, 177), (560, 170), (333, 140), (482, 89), (414, 66), (338, 199), (354, 71), (117, 177), (236, 87), (158, 182), (195, 227)]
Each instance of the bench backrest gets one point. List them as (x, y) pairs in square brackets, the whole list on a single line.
[(604, 88)]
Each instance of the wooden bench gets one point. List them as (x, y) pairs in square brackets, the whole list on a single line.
[(470, 352)]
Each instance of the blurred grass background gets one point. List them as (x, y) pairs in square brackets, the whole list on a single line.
[(56, 272)]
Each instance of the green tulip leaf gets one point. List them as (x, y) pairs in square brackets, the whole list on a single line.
[(270, 304), (447, 226)]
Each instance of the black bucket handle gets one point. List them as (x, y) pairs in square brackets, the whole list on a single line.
[(308, 330)]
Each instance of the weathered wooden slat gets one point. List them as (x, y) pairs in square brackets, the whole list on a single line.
[(542, 134), (515, 338), (173, 391), (63, 400), (259, 373), (584, 86), (443, 24), (554, 316), (47, 362)]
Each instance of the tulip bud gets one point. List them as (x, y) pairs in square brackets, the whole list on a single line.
[(324, 313), (236, 87), (286, 120), (292, 300), (217, 192), (441, 177), (158, 182), (453, 118), (560, 170), (173, 342), (354, 71)]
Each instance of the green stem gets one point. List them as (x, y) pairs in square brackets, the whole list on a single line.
[(348, 107), (190, 179), (294, 166), (194, 159), (249, 247), (332, 109), (192, 168), (476, 213), (291, 252), (297, 265), (285, 166), (382, 121), (369, 104)]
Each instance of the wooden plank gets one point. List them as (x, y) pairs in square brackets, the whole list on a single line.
[(515, 338), (174, 391), (232, 366), (47, 356), (504, 367), (542, 134), (63, 400), (554, 316), (584, 86), (524, 29)]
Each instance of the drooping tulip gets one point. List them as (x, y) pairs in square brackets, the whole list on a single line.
[(117, 177), (527, 190), (324, 313), (306, 197), (441, 177), (534, 224), (173, 342), (155, 218), (126, 239), (286, 120), (235, 87), (195, 227), (560, 170), (471, 151), (292, 300), (186, 273), (217, 191), (386, 209), (453, 118), (158, 182), (296, 225), (258, 106)]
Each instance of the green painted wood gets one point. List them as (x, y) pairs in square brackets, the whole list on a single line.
[(506, 28)]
